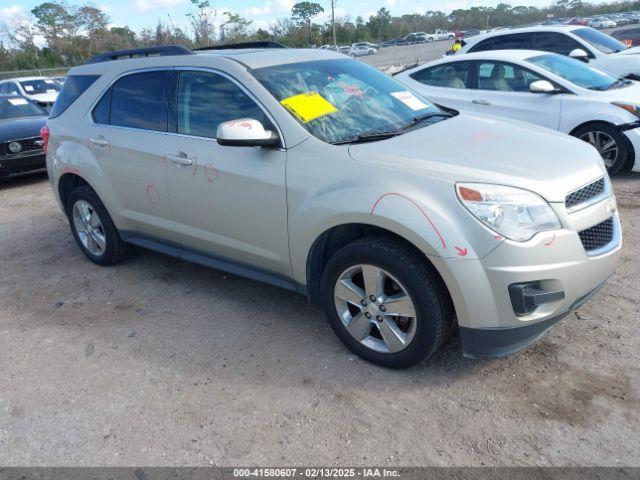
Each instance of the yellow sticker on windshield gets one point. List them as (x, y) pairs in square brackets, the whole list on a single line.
[(308, 106)]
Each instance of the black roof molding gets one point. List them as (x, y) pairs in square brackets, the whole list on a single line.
[(164, 51), (237, 46)]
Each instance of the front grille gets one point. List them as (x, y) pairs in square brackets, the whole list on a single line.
[(597, 236), (585, 194), (28, 144)]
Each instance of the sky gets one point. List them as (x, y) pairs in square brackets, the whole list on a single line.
[(138, 14)]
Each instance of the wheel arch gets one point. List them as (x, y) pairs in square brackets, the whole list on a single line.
[(67, 183)]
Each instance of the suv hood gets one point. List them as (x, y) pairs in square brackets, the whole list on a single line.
[(467, 148)]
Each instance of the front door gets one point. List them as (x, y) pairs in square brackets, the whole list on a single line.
[(229, 203), (503, 90)]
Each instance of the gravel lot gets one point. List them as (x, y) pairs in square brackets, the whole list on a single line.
[(161, 362)]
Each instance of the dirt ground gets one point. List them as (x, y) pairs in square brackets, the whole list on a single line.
[(159, 362)]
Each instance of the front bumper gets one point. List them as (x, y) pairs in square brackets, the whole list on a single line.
[(16, 165), (632, 132), (555, 261)]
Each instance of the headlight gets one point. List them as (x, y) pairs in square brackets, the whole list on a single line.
[(629, 107), (512, 212)]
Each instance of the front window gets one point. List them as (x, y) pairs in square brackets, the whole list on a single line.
[(343, 100), (36, 87), (12, 107), (576, 72), (599, 40), (504, 77)]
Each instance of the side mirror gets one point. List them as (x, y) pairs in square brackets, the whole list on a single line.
[(246, 132), (542, 86), (579, 54)]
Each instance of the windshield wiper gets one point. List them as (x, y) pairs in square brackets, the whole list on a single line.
[(421, 118), (370, 137), (621, 82)]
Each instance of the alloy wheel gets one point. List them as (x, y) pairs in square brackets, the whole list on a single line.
[(605, 144), (89, 227), (375, 308)]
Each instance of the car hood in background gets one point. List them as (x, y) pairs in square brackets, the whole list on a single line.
[(629, 51), (479, 149), (630, 94), (21, 127)]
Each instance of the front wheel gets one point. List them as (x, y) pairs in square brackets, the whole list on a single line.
[(385, 303), (612, 146)]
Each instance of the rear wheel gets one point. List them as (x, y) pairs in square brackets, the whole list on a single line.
[(93, 228), (385, 303), (612, 146)]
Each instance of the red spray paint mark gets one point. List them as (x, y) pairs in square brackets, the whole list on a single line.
[(152, 194), (550, 242), (462, 251), (211, 172), (498, 237), (424, 214), (70, 170)]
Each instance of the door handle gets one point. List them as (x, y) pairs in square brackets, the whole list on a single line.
[(181, 159), (101, 142), (480, 102)]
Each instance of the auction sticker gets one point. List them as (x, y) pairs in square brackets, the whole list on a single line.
[(17, 101), (308, 106), (410, 100)]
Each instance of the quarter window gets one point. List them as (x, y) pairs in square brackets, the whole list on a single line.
[(206, 99), (137, 101), (449, 75), (505, 77)]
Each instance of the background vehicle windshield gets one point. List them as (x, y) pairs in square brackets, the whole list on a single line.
[(35, 87), (347, 98), (575, 71), (599, 40), (18, 107)]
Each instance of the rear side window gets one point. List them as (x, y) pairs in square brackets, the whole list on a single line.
[(137, 101), (519, 41), (555, 42), (206, 99), (450, 75), (75, 86)]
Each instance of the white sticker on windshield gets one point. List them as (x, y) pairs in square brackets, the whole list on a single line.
[(28, 88), (52, 90), (410, 100), (50, 82), (17, 101)]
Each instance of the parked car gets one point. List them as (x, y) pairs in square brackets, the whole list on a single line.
[(20, 143), (629, 36), (344, 50), (547, 89), (395, 42), (602, 22), (599, 50), (577, 21), (42, 90), (344, 185), (438, 35), (366, 44), (360, 50), (470, 33)]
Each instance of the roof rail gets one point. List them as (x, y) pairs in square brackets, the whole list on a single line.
[(163, 51), (236, 46)]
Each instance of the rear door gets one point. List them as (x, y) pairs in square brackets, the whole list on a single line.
[(503, 89), (128, 138), (446, 84)]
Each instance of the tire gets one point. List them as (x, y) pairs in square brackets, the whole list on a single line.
[(111, 249), (403, 270), (597, 134)]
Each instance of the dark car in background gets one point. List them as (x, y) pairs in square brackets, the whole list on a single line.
[(21, 145), (628, 36)]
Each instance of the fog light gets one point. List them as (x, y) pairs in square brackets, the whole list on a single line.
[(527, 296)]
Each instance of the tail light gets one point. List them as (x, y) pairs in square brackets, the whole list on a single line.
[(45, 134)]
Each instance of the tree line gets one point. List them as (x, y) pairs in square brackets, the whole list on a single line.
[(73, 33)]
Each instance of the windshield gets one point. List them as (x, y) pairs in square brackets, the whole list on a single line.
[(599, 40), (18, 107), (342, 100), (576, 72), (35, 87)]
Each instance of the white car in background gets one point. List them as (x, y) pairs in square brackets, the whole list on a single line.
[(42, 90), (361, 49), (543, 88), (602, 23), (591, 46)]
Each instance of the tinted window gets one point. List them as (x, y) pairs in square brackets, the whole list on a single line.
[(137, 102), (11, 88), (45, 85), (519, 41), (205, 100), (100, 112), (72, 89), (450, 75), (555, 43), (505, 77), (19, 107)]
